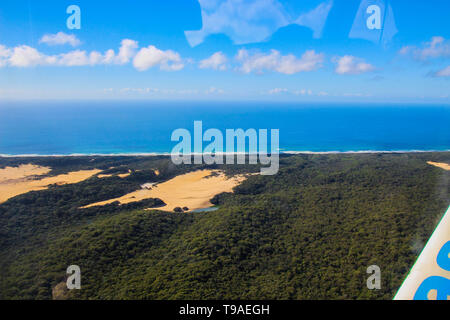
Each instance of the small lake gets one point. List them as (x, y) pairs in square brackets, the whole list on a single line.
[(206, 209)]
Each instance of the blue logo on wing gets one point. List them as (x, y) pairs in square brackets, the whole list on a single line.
[(443, 259), (440, 284)]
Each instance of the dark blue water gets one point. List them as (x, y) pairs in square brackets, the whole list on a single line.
[(146, 127)]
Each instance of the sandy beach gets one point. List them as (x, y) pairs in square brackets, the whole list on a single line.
[(25, 178), (192, 190)]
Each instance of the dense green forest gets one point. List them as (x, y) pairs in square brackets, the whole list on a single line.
[(309, 232)]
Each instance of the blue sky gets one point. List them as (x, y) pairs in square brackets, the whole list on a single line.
[(310, 50)]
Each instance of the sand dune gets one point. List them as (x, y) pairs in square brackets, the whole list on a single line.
[(441, 165), (25, 178), (192, 190), (22, 171)]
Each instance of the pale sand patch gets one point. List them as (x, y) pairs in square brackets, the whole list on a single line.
[(441, 165), (124, 175), (121, 175), (192, 190), (28, 180), (22, 171), (104, 176)]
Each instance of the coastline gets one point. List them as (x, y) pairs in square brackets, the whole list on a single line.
[(155, 154)]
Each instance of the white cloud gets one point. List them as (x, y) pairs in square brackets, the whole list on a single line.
[(278, 90), (405, 50), (303, 92), (443, 73), (127, 51), (26, 56), (357, 95), (437, 47), (151, 56), (5, 53), (158, 92), (288, 64), (300, 92), (109, 57), (149, 91), (73, 58), (217, 61), (60, 38), (80, 58), (352, 65), (214, 90)]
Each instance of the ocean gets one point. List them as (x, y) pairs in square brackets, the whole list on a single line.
[(136, 127)]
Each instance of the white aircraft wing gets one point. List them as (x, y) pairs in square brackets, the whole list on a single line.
[(429, 278)]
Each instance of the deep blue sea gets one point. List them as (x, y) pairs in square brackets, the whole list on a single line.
[(62, 128)]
